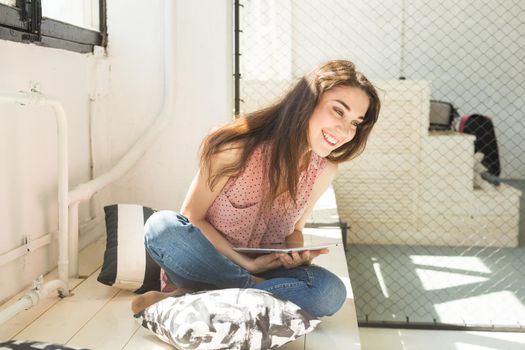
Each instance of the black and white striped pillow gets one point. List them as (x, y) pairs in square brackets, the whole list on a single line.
[(127, 265)]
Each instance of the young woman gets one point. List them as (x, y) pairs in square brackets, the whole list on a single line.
[(259, 179)]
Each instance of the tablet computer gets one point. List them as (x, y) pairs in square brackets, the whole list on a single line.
[(287, 247)]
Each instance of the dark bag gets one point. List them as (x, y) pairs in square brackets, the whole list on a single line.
[(441, 115), (483, 128)]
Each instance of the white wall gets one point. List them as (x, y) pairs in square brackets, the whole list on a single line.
[(127, 88)]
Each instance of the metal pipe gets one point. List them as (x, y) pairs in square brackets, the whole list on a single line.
[(39, 291), (73, 240), (63, 181), (34, 97), (28, 247), (24, 303)]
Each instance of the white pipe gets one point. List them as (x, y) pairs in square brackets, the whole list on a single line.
[(47, 289), (32, 298), (93, 203), (31, 245), (35, 98), (24, 303), (25, 249), (73, 240), (39, 291), (86, 190)]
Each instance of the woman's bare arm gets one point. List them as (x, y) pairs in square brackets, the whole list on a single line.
[(321, 185)]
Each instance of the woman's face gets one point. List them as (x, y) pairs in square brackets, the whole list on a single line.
[(335, 118)]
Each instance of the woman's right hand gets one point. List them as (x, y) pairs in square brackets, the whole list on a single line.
[(264, 263)]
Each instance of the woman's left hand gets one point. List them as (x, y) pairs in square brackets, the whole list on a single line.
[(296, 259)]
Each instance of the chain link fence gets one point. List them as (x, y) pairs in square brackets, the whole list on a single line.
[(436, 233)]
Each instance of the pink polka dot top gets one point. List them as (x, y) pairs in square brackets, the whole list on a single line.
[(235, 211)]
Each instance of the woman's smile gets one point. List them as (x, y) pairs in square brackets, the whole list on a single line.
[(329, 138)]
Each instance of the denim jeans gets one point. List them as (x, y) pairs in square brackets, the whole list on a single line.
[(191, 261)]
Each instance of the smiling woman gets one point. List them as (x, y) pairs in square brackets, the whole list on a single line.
[(260, 177)]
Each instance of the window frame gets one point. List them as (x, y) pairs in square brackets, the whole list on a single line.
[(24, 23)]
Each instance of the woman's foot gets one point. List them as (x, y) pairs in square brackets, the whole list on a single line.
[(142, 301)]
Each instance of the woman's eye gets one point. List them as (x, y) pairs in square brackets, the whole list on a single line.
[(355, 123), (338, 111)]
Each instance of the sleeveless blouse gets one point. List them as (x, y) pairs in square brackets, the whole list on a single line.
[(235, 211)]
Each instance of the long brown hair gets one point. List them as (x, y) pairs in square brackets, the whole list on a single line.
[(284, 127)]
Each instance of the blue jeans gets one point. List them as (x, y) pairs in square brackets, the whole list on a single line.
[(191, 261)]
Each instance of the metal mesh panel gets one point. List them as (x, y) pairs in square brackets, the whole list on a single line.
[(436, 231)]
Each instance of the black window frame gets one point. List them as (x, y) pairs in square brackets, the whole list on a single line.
[(24, 23)]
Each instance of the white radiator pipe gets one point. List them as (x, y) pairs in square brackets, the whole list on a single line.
[(73, 240), (39, 291), (25, 249), (26, 302), (35, 98)]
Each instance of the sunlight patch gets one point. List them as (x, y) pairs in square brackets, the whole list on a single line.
[(467, 263), (434, 280), (499, 308), (465, 346)]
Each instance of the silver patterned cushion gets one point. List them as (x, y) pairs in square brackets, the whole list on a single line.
[(227, 319)]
